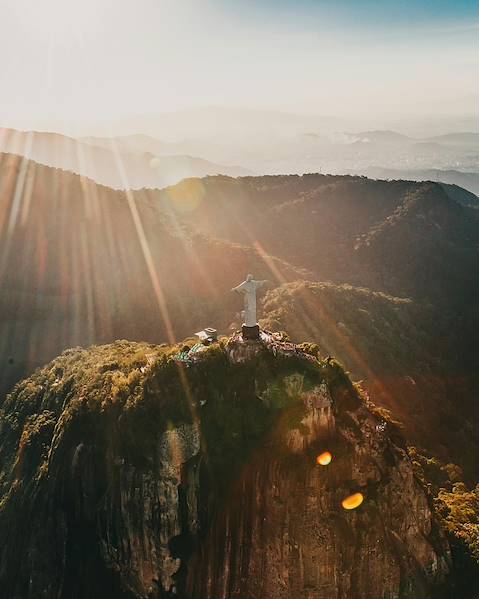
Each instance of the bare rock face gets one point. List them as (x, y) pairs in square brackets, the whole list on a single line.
[(127, 475), (285, 534), (144, 515)]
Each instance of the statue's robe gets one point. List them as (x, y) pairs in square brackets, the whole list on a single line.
[(248, 288)]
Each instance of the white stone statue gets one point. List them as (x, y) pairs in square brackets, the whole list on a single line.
[(248, 288)]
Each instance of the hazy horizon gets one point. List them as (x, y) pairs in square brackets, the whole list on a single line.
[(73, 67), (415, 125)]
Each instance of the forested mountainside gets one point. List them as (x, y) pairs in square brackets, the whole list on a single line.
[(402, 237), (82, 264), (406, 353)]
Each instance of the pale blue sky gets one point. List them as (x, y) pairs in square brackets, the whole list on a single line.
[(72, 61), (370, 13)]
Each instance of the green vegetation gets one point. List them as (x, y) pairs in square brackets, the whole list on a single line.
[(338, 315), (123, 396), (457, 510)]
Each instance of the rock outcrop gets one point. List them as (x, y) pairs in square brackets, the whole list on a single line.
[(128, 475)]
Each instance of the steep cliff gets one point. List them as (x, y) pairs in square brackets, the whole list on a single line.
[(128, 473), (404, 351)]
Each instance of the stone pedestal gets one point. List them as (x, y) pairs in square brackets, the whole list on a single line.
[(250, 333)]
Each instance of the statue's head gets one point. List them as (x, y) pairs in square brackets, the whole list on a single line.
[(249, 277)]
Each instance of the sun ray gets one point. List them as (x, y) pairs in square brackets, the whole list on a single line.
[(268, 260), (313, 307), (145, 248)]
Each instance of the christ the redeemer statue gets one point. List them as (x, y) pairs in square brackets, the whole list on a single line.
[(248, 289)]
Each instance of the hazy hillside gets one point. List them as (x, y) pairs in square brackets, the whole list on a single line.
[(405, 353), (270, 142), (239, 142), (132, 144), (465, 137), (380, 137), (118, 164), (82, 263), (343, 229), (146, 144)]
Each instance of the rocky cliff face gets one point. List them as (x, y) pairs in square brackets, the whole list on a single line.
[(128, 474), (285, 533)]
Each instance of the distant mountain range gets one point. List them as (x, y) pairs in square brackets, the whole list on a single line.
[(238, 143), (384, 136), (126, 163), (464, 181), (381, 137), (450, 159), (457, 138)]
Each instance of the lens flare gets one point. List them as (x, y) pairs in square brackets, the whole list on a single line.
[(353, 501), (187, 195), (324, 458)]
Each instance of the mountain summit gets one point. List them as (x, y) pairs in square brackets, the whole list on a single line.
[(238, 469)]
